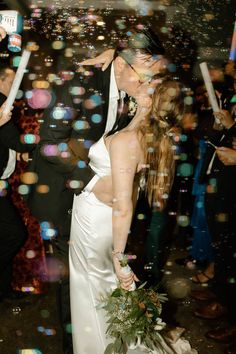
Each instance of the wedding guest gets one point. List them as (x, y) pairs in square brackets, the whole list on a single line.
[(13, 232), (220, 209)]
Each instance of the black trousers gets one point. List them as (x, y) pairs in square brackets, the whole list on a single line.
[(221, 217), (61, 252), (13, 235)]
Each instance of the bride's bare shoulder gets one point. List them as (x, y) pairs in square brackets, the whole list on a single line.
[(125, 139)]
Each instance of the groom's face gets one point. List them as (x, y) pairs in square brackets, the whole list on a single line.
[(142, 68)]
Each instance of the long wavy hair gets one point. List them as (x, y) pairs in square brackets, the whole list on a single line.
[(159, 131)]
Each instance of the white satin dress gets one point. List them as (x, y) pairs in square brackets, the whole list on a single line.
[(91, 268)]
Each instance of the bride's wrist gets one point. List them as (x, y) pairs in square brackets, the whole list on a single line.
[(117, 254)]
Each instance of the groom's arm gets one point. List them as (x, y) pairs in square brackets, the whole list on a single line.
[(74, 132)]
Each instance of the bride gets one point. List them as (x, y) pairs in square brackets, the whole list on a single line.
[(102, 213)]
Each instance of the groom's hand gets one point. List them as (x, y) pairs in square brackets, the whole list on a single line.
[(144, 94)]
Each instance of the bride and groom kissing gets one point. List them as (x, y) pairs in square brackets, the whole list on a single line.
[(95, 172)]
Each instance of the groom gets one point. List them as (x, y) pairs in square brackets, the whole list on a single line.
[(85, 108)]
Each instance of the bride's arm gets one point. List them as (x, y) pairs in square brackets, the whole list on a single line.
[(124, 153)]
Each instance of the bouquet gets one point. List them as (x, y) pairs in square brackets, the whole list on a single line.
[(133, 317)]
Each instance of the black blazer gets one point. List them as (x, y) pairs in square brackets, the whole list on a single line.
[(10, 139), (82, 98)]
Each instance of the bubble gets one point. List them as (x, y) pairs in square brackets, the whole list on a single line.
[(97, 99), (185, 169), (19, 333), (183, 220), (45, 313), (50, 150), (19, 94), (183, 156), (178, 288), (16, 61), (27, 289), (40, 84), (171, 67), (62, 147), (55, 269), (74, 184), (58, 45), (29, 178), (30, 138), (69, 328), (50, 332), (40, 329), (58, 113), (23, 189), (28, 94), (3, 184), (30, 254), (81, 164), (77, 90), (200, 205), (222, 217), (188, 100), (183, 137), (50, 233), (141, 217), (69, 52), (42, 188), (164, 29), (169, 264), (80, 124), (96, 118), (232, 280), (88, 144), (32, 76), (46, 231), (40, 98)]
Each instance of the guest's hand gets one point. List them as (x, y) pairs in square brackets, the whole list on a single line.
[(226, 155), (4, 117), (225, 118), (2, 33), (22, 156), (104, 58)]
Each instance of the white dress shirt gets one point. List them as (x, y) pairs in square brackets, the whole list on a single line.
[(11, 164), (114, 96)]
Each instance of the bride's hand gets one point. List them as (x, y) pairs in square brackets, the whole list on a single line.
[(125, 279), (104, 58)]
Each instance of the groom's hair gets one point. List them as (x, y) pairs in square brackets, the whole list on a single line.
[(144, 41)]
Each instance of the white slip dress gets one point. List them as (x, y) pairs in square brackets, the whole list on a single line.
[(91, 268)]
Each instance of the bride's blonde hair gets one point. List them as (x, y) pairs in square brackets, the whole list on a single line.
[(158, 134)]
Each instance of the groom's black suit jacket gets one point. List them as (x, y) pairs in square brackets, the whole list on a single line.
[(86, 95)]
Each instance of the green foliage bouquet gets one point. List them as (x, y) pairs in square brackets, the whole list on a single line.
[(133, 317)]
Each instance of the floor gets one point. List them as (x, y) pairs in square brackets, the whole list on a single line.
[(32, 323)]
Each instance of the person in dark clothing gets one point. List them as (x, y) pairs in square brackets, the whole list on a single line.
[(13, 232), (220, 206)]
